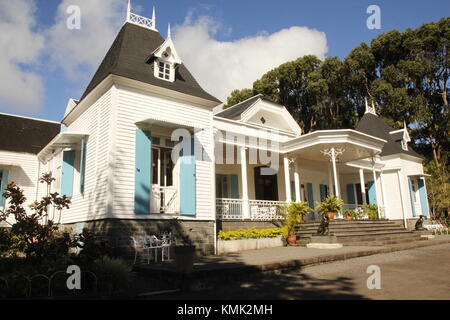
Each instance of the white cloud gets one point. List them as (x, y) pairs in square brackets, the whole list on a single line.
[(221, 67), (20, 49), (79, 51)]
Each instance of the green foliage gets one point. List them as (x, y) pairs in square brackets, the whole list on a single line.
[(371, 210), (406, 73), (237, 96), (293, 215), (438, 190), (36, 234), (329, 204), (351, 213), (250, 233), (113, 273)]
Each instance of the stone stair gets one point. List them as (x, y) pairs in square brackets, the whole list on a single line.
[(361, 232)]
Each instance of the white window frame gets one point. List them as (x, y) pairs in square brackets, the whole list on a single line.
[(168, 70)]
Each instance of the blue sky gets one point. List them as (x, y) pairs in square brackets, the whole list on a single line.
[(59, 63)]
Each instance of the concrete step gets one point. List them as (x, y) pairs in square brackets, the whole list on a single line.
[(352, 222), (352, 229)]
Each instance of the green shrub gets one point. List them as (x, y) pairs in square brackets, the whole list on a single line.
[(293, 215), (250, 233), (112, 273)]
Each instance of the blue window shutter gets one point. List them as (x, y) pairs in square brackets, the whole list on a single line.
[(351, 194), (143, 172), (234, 186), (3, 186), (82, 165), (323, 192), (411, 196), (372, 192), (309, 191), (67, 173), (187, 182), (423, 197)]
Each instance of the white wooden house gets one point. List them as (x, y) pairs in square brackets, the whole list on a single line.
[(117, 155)]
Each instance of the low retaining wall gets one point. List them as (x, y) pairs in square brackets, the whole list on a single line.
[(227, 246)]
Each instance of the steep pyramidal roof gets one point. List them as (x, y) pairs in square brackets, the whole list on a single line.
[(375, 126), (130, 56)]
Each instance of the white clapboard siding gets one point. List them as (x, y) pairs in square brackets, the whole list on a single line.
[(24, 173), (134, 105), (93, 203)]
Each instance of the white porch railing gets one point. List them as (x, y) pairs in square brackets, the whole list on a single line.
[(260, 210), (263, 210), (229, 209), (164, 200)]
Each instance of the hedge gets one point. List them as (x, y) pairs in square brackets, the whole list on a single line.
[(250, 233)]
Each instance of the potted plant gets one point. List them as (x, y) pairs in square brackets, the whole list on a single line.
[(293, 215), (330, 205), (371, 210), (351, 214)]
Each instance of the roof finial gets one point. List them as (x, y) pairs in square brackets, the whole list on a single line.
[(154, 18), (370, 109), (169, 33), (128, 10)]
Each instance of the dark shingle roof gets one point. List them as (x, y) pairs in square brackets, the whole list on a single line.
[(20, 134), (129, 57), (236, 110), (375, 126)]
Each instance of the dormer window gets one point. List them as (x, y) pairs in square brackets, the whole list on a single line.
[(164, 70), (166, 60)]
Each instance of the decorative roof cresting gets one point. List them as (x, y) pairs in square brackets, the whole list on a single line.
[(149, 23)]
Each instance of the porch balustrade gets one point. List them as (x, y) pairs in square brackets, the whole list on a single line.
[(165, 200), (260, 210)]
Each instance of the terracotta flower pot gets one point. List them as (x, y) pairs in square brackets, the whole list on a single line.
[(292, 240), (330, 215), (349, 217)]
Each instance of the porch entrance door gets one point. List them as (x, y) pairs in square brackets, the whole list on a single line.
[(266, 185), (164, 194)]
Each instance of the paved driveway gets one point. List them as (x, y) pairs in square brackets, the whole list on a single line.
[(421, 273)]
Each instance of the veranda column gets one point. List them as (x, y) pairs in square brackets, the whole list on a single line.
[(383, 194), (376, 190), (363, 185), (245, 203), (330, 180), (287, 179), (333, 161), (297, 182)]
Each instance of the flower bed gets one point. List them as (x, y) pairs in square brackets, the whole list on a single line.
[(249, 239)]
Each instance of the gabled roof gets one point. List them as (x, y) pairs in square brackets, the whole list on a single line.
[(235, 111), (375, 126), (129, 57), (20, 134)]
